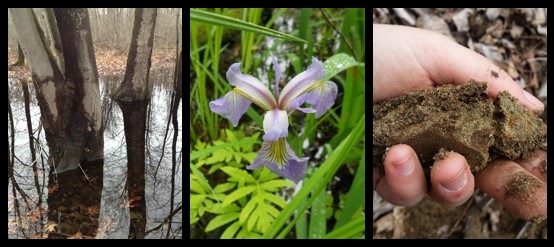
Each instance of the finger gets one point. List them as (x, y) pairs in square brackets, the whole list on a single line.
[(535, 164), (523, 194), (376, 177), (445, 68), (452, 181), (404, 181), (429, 58)]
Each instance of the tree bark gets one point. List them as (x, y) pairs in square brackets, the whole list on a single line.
[(69, 102), (133, 96)]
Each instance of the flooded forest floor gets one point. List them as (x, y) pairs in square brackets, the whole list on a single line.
[(26, 215), (109, 63)]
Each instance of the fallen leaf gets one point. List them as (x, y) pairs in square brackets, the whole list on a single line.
[(53, 189)]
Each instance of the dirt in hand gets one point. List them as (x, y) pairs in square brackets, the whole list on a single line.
[(463, 119)]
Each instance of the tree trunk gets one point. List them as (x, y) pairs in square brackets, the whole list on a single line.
[(133, 96), (69, 102)]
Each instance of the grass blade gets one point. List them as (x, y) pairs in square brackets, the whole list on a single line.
[(229, 22)]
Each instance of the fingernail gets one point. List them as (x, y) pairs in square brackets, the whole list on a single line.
[(455, 183), (532, 99), (406, 166)]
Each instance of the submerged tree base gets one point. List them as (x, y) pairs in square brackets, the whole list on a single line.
[(134, 118), (74, 201)]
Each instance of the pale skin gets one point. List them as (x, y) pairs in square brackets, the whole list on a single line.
[(407, 59)]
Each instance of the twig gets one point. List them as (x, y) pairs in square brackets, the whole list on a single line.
[(79, 164), (165, 220), (338, 31), (523, 230)]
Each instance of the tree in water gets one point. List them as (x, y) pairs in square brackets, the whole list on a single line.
[(133, 97), (65, 78)]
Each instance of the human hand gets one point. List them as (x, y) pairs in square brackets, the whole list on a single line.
[(408, 59)]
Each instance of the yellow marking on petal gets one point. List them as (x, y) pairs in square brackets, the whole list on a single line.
[(255, 101), (278, 152), (313, 86)]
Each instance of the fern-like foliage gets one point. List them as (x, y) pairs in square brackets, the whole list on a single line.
[(246, 203)]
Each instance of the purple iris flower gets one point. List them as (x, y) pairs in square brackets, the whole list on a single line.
[(306, 87)]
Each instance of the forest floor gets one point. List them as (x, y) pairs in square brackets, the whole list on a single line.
[(109, 63), (515, 40)]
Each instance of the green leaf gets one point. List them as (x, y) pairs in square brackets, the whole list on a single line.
[(252, 220), (274, 185), (218, 208), (272, 211), (207, 151), (274, 199), (238, 174), (338, 63), (195, 186), (230, 135), (217, 156), (199, 145), (247, 210), (225, 21), (244, 233), (221, 220), (196, 200), (238, 194), (198, 176), (355, 199), (193, 216), (318, 217), (220, 188), (352, 229), (249, 157), (214, 168), (266, 174), (231, 230)]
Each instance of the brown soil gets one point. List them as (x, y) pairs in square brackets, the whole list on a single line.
[(431, 220), (466, 120), (457, 118)]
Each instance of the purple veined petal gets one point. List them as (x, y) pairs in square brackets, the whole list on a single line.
[(297, 102), (300, 83), (251, 88), (278, 157), (231, 106), (322, 97), (276, 124)]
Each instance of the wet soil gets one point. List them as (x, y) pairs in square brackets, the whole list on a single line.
[(463, 119), (466, 120)]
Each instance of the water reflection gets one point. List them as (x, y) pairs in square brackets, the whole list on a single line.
[(26, 204)]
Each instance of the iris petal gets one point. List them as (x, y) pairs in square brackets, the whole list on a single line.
[(231, 106), (300, 83), (322, 97), (278, 157), (251, 88), (276, 124), (297, 102)]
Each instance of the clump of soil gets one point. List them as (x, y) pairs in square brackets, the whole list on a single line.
[(463, 119)]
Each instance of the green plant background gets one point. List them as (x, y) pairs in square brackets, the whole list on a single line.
[(228, 201)]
